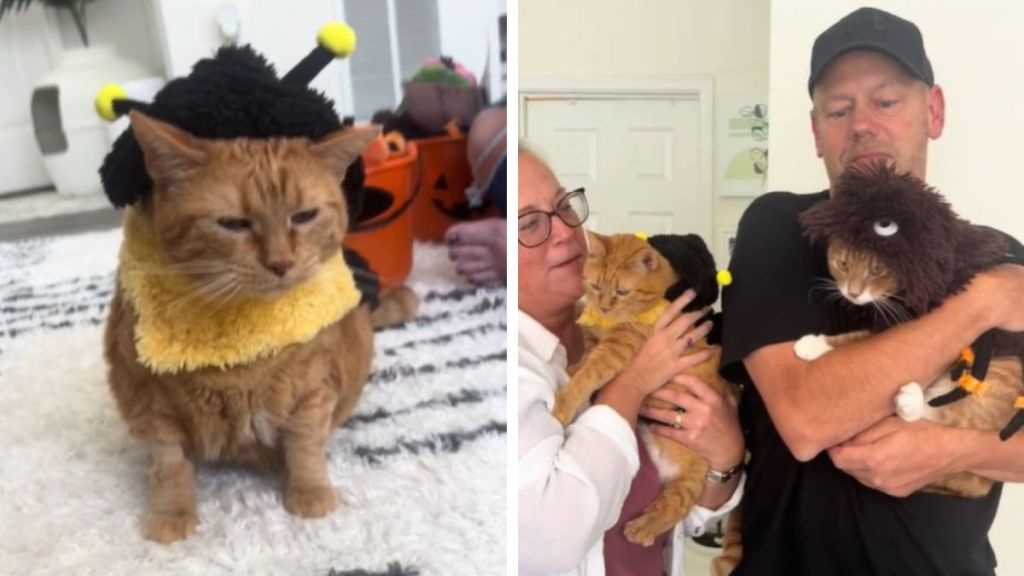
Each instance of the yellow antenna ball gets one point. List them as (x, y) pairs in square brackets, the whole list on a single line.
[(641, 235), (104, 101), (337, 38), (724, 277)]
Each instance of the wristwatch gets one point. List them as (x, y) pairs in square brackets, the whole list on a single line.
[(719, 477)]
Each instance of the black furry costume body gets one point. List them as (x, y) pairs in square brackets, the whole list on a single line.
[(237, 94), (933, 252)]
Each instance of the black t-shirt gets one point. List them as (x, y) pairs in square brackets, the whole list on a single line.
[(811, 518)]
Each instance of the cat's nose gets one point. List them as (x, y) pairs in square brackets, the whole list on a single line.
[(280, 267)]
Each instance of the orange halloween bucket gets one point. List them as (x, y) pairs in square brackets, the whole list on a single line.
[(387, 245), (441, 200)]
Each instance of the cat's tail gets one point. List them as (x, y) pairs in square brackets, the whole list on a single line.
[(397, 306), (732, 546)]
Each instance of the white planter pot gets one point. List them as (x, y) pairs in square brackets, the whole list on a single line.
[(71, 136)]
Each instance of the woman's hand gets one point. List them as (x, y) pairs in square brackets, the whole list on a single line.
[(709, 425), (664, 356)]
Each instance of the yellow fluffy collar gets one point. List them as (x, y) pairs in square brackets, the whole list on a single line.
[(175, 332), (593, 318)]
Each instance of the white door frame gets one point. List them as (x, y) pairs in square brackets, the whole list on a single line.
[(693, 88)]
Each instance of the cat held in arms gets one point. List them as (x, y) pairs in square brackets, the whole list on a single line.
[(896, 250), (629, 281)]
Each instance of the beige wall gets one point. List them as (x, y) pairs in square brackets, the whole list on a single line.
[(727, 39), (973, 47)]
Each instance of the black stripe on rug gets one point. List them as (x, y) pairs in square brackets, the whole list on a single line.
[(485, 305), (443, 442), (393, 569), (393, 373), (450, 400), (458, 294), (445, 338)]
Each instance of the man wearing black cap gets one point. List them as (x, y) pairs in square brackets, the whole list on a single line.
[(832, 477)]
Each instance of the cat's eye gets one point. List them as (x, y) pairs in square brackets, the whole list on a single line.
[(595, 287), (234, 224), (876, 269), (305, 216), (841, 264), (622, 292)]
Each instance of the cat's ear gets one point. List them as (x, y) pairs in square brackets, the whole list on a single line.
[(596, 247), (169, 152), (340, 149), (648, 260)]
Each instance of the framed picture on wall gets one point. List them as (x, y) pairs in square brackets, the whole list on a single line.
[(741, 146)]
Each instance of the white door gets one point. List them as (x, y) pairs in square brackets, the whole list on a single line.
[(25, 56), (640, 159)]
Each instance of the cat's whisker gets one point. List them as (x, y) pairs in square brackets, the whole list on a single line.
[(829, 287), (224, 296), (200, 292), (883, 311), (197, 265), (899, 310)]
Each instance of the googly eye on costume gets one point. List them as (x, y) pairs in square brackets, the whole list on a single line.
[(886, 227)]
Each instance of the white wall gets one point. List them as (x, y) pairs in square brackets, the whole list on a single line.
[(726, 39), (125, 24), (974, 50), (282, 32), (469, 33)]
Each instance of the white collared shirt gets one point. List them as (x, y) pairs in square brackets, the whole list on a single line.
[(573, 481)]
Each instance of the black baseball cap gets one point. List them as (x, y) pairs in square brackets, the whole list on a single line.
[(871, 29)]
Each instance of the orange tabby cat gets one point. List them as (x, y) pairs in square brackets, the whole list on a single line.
[(626, 279), (239, 225), (863, 279)]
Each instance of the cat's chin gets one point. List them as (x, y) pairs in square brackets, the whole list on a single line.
[(273, 291), (861, 299)]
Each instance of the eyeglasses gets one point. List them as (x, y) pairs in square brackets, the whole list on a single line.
[(535, 225)]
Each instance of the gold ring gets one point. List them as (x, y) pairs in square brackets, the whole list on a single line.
[(677, 422)]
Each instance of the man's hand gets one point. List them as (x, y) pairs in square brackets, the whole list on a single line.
[(897, 457)]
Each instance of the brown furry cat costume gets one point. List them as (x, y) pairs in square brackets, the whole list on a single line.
[(927, 253)]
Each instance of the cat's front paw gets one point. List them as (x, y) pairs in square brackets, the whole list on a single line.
[(811, 347), (643, 530), (167, 527), (562, 413), (311, 502), (910, 403)]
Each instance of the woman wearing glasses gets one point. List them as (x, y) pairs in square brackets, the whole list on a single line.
[(579, 485)]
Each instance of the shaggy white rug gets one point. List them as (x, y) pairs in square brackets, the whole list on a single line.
[(420, 468)]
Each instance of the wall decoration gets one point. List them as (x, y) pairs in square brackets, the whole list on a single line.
[(741, 146)]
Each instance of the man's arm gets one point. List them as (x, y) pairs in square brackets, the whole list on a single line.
[(899, 458), (818, 404)]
